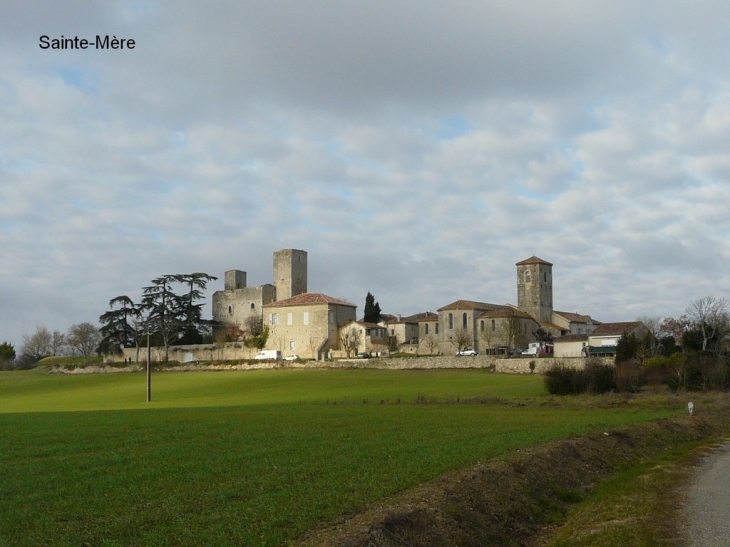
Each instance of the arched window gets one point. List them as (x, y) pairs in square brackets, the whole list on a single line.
[(253, 306), (481, 325), (426, 328), (230, 310), (493, 324), (463, 321)]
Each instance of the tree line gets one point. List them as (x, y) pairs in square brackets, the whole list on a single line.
[(169, 313)]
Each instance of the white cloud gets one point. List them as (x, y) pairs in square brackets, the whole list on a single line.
[(415, 151)]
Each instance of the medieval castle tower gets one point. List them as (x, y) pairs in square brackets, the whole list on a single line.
[(535, 288), (290, 273), (237, 302)]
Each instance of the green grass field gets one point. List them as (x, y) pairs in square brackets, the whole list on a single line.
[(254, 458)]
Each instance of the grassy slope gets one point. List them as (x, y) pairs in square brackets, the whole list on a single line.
[(250, 473)]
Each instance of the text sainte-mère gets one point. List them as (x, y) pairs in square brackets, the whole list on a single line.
[(100, 42)]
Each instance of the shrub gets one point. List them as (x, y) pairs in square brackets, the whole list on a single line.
[(628, 376), (599, 378), (563, 380)]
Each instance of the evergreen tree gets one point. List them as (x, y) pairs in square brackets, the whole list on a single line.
[(372, 309)]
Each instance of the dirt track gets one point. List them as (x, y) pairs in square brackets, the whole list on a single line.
[(506, 502)]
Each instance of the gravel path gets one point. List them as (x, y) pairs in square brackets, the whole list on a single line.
[(708, 502)]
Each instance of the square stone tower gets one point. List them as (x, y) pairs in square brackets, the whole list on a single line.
[(290, 273), (535, 288)]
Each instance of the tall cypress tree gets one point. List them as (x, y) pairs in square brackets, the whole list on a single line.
[(372, 309)]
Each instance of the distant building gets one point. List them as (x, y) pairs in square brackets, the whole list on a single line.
[(307, 324)]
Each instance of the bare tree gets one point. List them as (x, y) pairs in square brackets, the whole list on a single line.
[(350, 340), (674, 327), (83, 338), (431, 343), (710, 316), (314, 345), (38, 345), (58, 341), (462, 339)]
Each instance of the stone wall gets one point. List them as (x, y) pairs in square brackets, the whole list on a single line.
[(233, 352)]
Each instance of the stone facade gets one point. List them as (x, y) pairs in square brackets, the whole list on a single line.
[(307, 324), (290, 273), (233, 306), (535, 288), (236, 302)]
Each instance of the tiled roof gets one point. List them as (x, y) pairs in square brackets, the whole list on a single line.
[(572, 338), (612, 329), (506, 311), (421, 317), (533, 260), (308, 299), (574, 317), (470, 305)]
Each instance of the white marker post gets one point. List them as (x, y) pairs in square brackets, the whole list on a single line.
[(690, 407)]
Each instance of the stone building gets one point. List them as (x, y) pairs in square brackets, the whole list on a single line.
[(307, 324), (236, 303), (290, 273), (535, 288)]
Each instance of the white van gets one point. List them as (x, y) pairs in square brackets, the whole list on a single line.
[(532, 349), (268, 354)]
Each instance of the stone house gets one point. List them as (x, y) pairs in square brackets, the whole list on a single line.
[(368, 337), (307, 324), (604, 338), (571, 345), (573, 323)]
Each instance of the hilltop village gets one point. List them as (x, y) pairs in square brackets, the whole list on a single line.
[(318, 326)]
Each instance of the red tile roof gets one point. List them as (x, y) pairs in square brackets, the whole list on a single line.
[(572, 338), (309, 299)]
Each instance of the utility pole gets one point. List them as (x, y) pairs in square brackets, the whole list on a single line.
[(149, 365)]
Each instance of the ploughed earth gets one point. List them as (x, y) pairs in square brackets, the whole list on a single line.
[(508, 502)]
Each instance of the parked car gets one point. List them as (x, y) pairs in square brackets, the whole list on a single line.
[(363, 356), (291, 358), (268, 354), (467, 351)]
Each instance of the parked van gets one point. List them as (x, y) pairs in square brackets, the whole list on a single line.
[(268, 354), (532, 349)]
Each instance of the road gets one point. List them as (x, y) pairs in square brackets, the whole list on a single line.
[(708, 501)]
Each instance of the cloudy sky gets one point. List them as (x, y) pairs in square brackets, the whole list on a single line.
[(415, 149)]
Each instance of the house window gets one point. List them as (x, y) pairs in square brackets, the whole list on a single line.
[(273, 319), (230, 310), (292, 345), (463, 321), (306, 318), (332, 317), (253, 306), (481, 325), (544, 277), (494, 326), (425, 328), (289, 318), (437, 328)]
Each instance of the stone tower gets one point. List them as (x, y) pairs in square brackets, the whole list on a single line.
[(535, 288), (290, 273)]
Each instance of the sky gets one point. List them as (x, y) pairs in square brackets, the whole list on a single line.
[(416, 150)]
